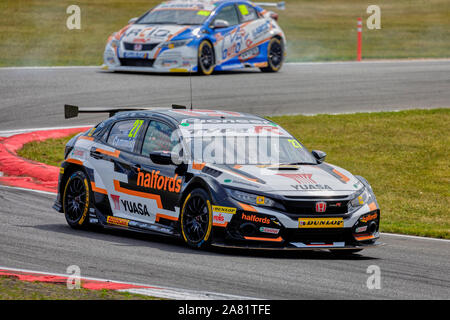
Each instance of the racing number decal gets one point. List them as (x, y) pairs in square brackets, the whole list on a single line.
[(295, 143), (137, 125)]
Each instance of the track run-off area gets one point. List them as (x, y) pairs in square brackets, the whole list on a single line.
[(33, 236)]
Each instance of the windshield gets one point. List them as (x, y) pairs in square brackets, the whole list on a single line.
[(251, 150), (175, 16)]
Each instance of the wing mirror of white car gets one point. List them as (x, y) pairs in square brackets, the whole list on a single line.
[(319, 155), (219, 23), (132, 20)]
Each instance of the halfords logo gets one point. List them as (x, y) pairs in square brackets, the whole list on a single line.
[(320, 222), (368, 217), (155, 181), (254, 218)]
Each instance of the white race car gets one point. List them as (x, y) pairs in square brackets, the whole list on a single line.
[(199, 36)]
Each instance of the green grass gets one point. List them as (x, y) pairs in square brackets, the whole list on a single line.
[(14, 289), (404, 156), (34, 32), (49, 151)]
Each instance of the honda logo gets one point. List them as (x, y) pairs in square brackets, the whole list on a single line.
[(138, 47), (321, 206)]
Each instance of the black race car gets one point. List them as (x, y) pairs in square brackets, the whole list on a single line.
[(217, 178)]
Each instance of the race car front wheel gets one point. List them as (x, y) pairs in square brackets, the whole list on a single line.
[(76, 200), (205, 58), (275, 56), (196, 219)]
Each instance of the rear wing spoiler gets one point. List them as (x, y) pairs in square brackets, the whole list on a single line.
[(73, 111), (279, 5)]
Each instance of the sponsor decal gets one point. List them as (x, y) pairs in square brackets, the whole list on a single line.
[(117, 221), (361, 229), (155, 181), (369, 217), (303, 178), (311, 187), (247, 55), (320, 222), (115, 198), (255, 218), (269, 230), (137, 47), (321, 206), (224, 209), (134, 207)]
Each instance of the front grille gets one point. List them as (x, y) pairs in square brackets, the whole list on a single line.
[(135, 62), (297, 208), (145, 47)]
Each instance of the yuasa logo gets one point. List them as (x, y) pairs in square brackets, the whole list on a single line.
[(321, 206)]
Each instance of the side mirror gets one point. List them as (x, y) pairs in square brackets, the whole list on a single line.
[(319, 155), (219, 23), (132, 20)]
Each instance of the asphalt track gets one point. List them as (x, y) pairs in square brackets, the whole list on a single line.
[(35, 237), (34, 97)]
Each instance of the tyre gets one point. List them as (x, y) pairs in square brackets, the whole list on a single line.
[(76, 200), (196, 219), (206, 59), (275, 56)]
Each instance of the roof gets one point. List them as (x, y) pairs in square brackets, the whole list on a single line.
[(206, 115)]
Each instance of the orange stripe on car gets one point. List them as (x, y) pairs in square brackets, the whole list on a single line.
[(279, 239), (115, 154), (343, 177), (164, 216), (86, 138), (362, 238), (97, 189), (75, 161), (372, 206), (168, 39), (141, 194), (247, 207)]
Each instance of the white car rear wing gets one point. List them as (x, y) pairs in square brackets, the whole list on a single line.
[(279, 5)]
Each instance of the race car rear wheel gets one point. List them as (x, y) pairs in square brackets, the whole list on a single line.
[(196, 219), (275, 56), (205, 58), (76, 200)]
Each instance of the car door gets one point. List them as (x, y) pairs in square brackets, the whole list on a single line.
[(254, 31), (228, 39), (114, 166), (160, 183)]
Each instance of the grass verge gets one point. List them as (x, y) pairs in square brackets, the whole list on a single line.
[(404, 156), (14, 289), (34, 33)]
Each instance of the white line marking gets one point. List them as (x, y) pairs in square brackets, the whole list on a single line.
[(8, 133), (156, 291), (25, 189), (414, 237), (288, 63)]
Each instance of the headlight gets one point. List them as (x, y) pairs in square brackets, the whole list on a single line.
[(250, 198), (114, 43), (177, 43), (361, 199)]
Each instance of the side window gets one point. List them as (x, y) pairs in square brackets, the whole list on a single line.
[(228, 14), (247, 13), (158, 138), (124, 134)]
